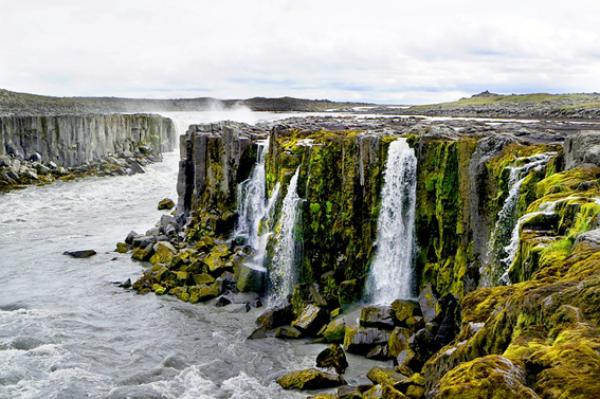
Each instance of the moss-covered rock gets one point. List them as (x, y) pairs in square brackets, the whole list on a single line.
[(492, 377), (310, 379)]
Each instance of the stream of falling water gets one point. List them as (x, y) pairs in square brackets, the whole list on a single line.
[(391, 273), (282, 272), (502, 246)]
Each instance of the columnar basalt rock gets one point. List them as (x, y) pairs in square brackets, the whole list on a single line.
[(39, 149), (538, 336)]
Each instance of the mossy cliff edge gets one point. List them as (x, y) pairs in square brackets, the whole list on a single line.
[(469, 335)]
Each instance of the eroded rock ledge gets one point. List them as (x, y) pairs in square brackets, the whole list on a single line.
[(467, 333), (40, 149)]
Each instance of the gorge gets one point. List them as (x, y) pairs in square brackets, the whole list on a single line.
[(434, 258), (464, 237)]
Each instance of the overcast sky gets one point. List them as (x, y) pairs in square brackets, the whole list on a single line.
[(383, 51)]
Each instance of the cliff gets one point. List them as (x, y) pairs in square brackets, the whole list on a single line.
[(506, 287), (31, 146)]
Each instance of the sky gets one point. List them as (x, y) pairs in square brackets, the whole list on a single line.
[(393, 52)]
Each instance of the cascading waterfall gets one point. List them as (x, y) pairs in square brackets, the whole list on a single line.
[(255, 210), (253, 199), (391, 273), (282, 273), (501, 252)]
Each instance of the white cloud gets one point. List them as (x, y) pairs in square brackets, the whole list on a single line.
[(386, 51)]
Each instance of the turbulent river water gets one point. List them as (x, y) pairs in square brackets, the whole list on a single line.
[(67, 331)]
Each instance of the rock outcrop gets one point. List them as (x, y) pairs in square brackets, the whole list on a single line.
[(38, 149)]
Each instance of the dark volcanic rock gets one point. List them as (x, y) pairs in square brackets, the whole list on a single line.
[(333, 356), (377, 317), (311, 319), (310, 379), (86, 253)]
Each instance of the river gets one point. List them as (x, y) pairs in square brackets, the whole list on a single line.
[(66, 329)]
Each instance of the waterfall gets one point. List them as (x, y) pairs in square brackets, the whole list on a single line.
[(252, 198), (255, 210), (501, 247), (391, 272), (282, 273)]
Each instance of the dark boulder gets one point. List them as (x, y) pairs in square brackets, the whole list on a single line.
[(86, 253), (423, 344), (310, 379), (333, 356), (377, 317), (275, 317), (429, 304), (311, 320), (166, 203), (362, 340), (288, 332)]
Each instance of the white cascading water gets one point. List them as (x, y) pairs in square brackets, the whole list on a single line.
[(391, 273), (252, 196), (282, 273), (255, 209), (501, 252)]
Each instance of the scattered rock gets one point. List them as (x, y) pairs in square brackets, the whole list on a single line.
[(122, 248), (275, 317), (362, 340), (311, 319), (333, 356), (377, 317), (383, 392), (86, 253), (310, 379), (334, 331), (429, 304), (251, 278), (288, 332)]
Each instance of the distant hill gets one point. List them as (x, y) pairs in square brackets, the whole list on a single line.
[(27, 104), (537, 105)]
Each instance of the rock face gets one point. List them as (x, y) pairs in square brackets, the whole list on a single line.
[(461, 328), (582, 148), (210, 158), (41, 149), (74, 140)]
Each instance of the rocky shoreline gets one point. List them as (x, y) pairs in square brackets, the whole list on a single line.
[(43, 149), (466, 333)]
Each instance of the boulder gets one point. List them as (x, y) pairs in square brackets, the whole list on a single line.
[(448, 325), (311, 319), (203, 279), (377, 317), (406, 312), (275, 317), (310, 379), (86, 253), (165, 203), (349, 392), (385, 376), (202, 293), (423, 344), (142, 241), (122, 248), (164, 252), (251, 278), (383, 392), (378, 352), (288, 332), (142, 253), (333, 356), (130, 237), (429, 304), (398, 341), (334, 331), (222, 301), (362, 340)]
